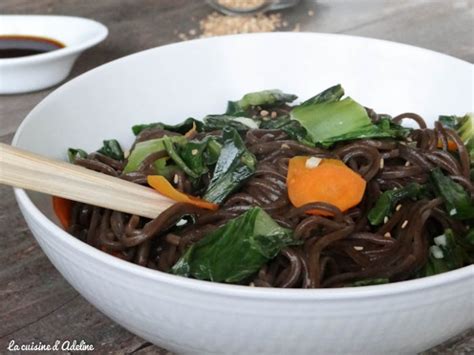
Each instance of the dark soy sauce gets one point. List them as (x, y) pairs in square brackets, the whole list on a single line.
[(13, 46)]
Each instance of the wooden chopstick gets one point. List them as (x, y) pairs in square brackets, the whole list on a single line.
[(26, 170)]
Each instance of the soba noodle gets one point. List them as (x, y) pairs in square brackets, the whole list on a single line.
[(334, 250)]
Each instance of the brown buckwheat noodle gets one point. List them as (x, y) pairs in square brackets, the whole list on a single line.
[(335, 250)]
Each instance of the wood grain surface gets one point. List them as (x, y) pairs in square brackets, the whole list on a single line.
[(36, 303)]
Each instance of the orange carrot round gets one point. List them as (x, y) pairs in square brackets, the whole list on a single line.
[(312, 179), (452, 147), (160, 184), (62, 208)]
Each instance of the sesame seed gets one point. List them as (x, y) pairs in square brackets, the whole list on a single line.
[(358, 248), (274, 114), (175, 178), (387, 235), (385, 219), (264, 113), (436, 252), (310, 13), (241, 4), (192, 32), (285, 146), (404, 224), (452, 212), (266, 118), (399, 206), (382, 161), (312, 162), (194, 151), (440, 240), (181, 222), (217, 25), (407, 163)]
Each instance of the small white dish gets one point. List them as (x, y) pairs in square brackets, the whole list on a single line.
[(40, 71)]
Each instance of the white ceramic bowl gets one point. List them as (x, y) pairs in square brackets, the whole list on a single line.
[(197, 77), (36, 72)]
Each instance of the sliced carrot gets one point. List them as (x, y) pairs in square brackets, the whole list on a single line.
[(160, 184), (452, 147), (62, 208), (328, 180)]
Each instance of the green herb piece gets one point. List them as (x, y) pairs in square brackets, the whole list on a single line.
[(265, 98), (291, 127), (469, 238), (445, 254), (192, 154), (198, 155), (277, 123), (112, 149), (332, 94), (219, 122), (236, 250), (370, 282), (384, 128), (464, 126), (144, 149), (235, 165), (325, 116), (174, 154), (468, 244), (457, 201), (328, 119), (163, 168), (448, 121), (389, 199), (213, 151), (73, 154), (193, 157), (182, 127)]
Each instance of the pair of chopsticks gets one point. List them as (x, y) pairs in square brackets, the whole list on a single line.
[(29, 171)]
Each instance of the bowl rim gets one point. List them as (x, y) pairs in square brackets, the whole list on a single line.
[(409, 286), (101, 32)]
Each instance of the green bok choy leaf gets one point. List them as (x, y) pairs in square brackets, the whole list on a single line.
[(236, 250)]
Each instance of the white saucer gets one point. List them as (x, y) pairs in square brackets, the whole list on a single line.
[(40, 71)]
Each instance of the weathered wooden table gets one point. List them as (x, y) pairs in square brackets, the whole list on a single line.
[(36, 303)]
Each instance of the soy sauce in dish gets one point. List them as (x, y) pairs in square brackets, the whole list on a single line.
[(13, 46)]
